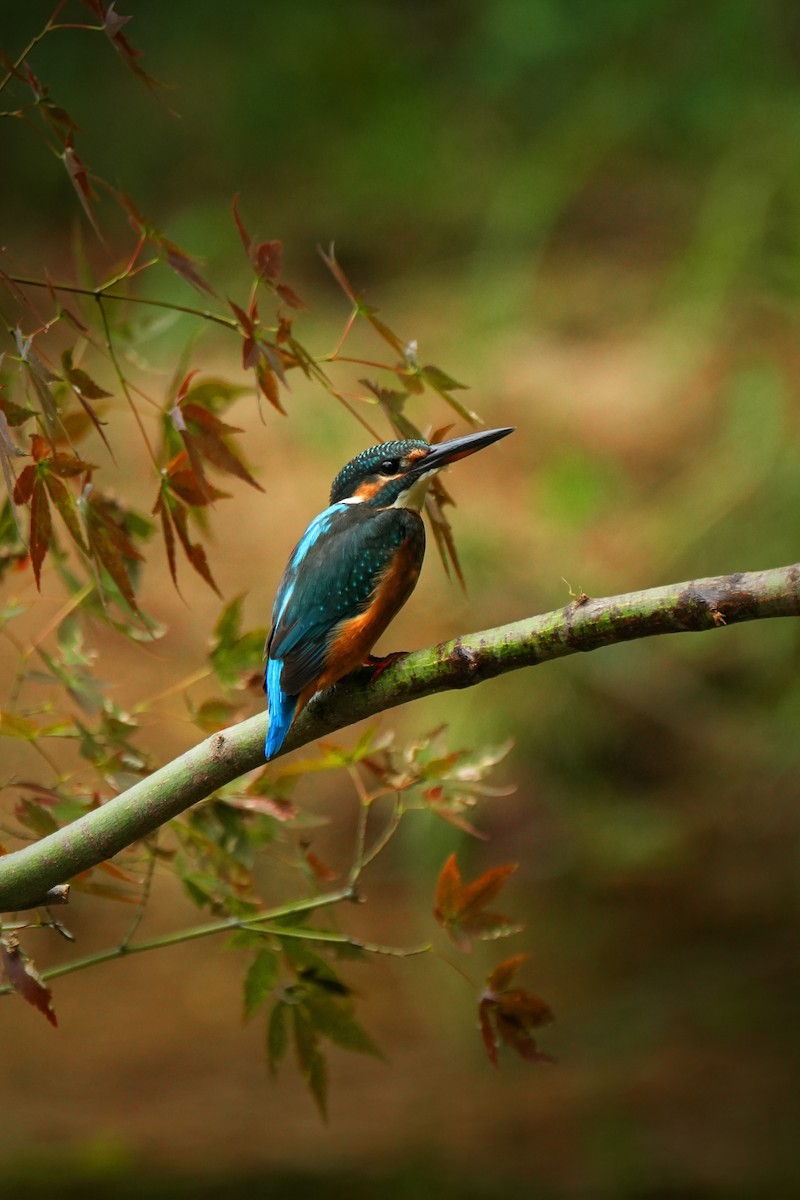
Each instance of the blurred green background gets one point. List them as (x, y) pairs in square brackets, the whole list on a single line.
[(588, 210)]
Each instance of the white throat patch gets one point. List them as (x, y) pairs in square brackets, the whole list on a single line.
[(414, 497)]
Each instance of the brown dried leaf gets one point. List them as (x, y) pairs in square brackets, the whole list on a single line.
[(82, 383), (23, 489), (113, 24), (505, 971), (448, 891), (243, 234), (266, 259), (79, 178), (290, 297), (461, 908), (320, 870), (169, 538), (442, 530), (65, 503), (15, 414), (268, 384), (510, 1015), (208, 433), (476, 895), (193, 550), (41, 528), (183, 264), (25, 979), (110, 544)]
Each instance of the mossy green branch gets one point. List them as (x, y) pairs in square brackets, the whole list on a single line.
[(27, 875)]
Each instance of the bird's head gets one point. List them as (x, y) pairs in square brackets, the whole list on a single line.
[(397, 474)]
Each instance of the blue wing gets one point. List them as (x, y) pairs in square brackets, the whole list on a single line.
[(280, 703), (330, 577)]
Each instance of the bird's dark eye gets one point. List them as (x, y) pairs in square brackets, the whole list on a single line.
[(390, 466)]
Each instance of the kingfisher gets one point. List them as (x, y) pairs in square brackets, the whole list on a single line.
[(352, 570)]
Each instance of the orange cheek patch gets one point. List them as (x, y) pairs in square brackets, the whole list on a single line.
[(366, 490)]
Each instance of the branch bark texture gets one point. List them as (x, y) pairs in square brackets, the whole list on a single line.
[(27, 875)]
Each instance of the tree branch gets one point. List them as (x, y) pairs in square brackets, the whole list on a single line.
[(27, 875)]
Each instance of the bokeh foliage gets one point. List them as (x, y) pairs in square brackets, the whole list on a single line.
[(592, 208)]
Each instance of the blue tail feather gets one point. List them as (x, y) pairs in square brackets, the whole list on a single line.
[(281, 709)]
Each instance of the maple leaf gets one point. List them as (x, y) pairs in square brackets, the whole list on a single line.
[(85, 389), (174, 520), (182, 263), (444, 385), (320, 870), (265, 257), (169, 538), (261, 977), (461, 908), (194, 551), (23, 488), (25, 979), (59, 120), (80, 180), (290, 296), (393, 402), (268, 384), (41, 528), (260, 355), (233, 652), (435, 502), (113, 24), (8, 452), (109, 542), (310, 1058), (182, 478), (277, 1036), (64, 501), (320, 1006), (204, 435), (15, 414), (40, 480), (508, 1015), (41, 377)]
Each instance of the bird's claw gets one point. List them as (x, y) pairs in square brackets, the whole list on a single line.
[(381, 662)]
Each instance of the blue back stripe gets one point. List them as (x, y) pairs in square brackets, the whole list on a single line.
[(315, 530)]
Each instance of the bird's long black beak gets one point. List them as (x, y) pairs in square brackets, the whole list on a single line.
[(444, 453)]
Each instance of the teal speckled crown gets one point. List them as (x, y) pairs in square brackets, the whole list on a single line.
[(367, 464)]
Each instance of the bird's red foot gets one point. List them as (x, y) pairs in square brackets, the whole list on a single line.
[(380, 663)]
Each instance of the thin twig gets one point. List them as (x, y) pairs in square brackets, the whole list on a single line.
[(101, 292), (48, 28), (198, 931), (147, 888)]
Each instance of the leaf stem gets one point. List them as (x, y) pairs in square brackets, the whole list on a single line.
[(102, 292), (124, 383)]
